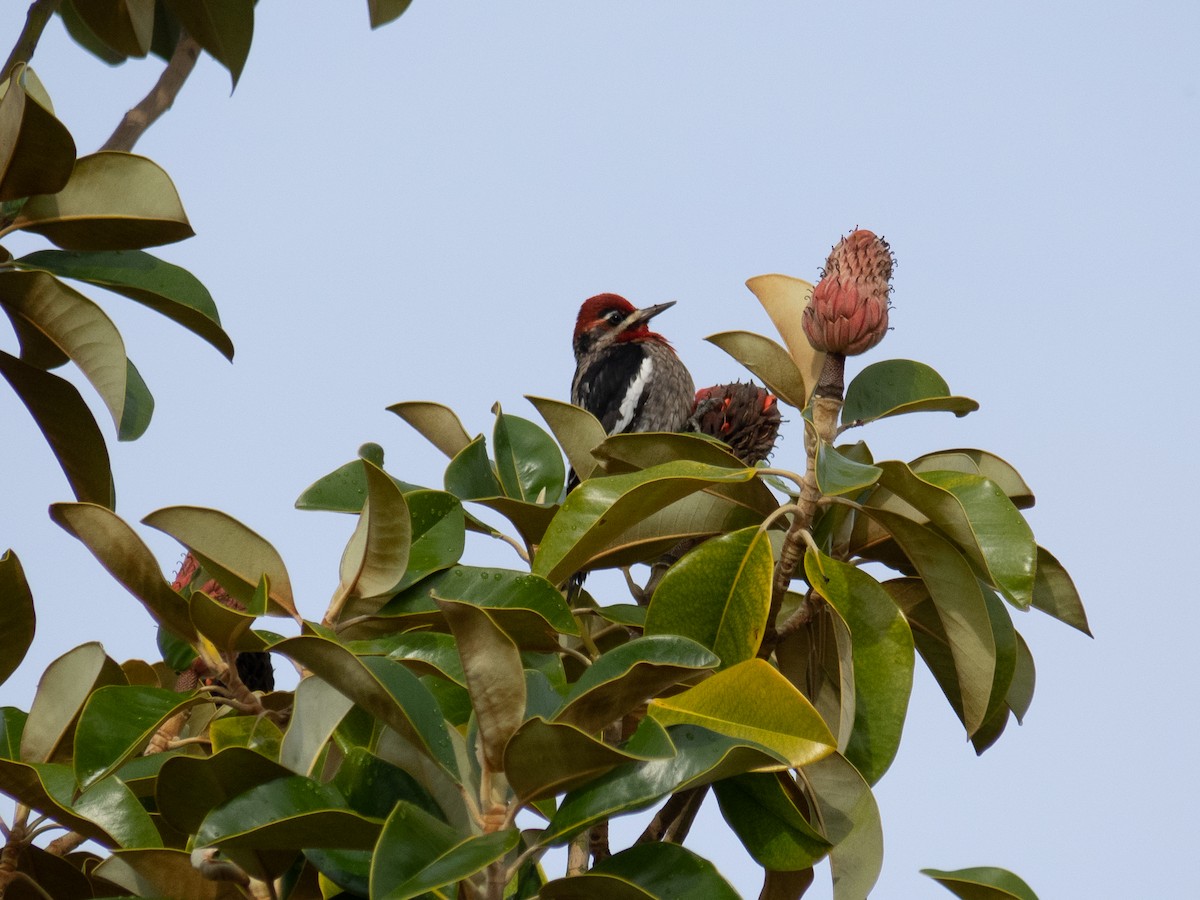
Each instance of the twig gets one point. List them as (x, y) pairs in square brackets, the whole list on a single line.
[(64, 844), (666, 817), (39, 14), (160, 98)]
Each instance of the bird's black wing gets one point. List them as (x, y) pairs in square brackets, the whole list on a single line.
[(602, 386)]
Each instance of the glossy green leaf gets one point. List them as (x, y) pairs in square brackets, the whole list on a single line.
[(18, 620), (257, 733), (165, 288), (771, 363), (979, 462), (718, 595), (1020, 690), (228, 629), (494, 674), (752, 701), (372, 786), (896, 386), (55, 876), (425, 652), (626, 676), (543, 759), (117, 722), (114, 808), (128, 560), (233, 554), (383, 687), (37, 152), (882, 654), (83, 35), (1004, 636), (576, 430), (850, 821), (652, 871), (384, 11), (161, 872), (76, 326), (48, 788), (126, 26), (437, 423), (222, 27), (68, 426), (189, 787), (703, 757), (960, 608), (529, 609), (982, 883), (1054, 592), (528, 463), (61, 693), (113, 201), (601, 508), (765, 811), (377, 553), (287, 813), (12, 723), (139, 405), (419, 853), (318, 709), (837, 474), (470, 474), (784, 298)]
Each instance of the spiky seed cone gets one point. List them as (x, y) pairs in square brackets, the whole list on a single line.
[(744, 416), (848, 313)]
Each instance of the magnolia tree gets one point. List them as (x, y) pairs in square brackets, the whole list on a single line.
[(452, 723)]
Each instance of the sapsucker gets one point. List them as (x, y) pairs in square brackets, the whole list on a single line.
[(626, 375)]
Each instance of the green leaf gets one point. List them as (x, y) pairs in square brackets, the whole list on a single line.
[(76, 326), (222, 27), (128, 560), (425, 652), (437, 423), (228, 629), (527, 460), (37, 152), (1004, 636), (622, 678), (384, 11), (770, 362), (718, 595), (189, 787), (257, 733), (838, 474), (124, 25), (764, 810), (893, 387), (67, 424), (1054, 592), (345, 488), (165, 288), (113, 807), (470, 475), (62, 691), (114, 201), (959, 607), (318, 709), (383, 687), (752, 701), (233, 554), (881, 652), (982, 883), (418, 853), (117, 722), (600, 509), (576, 430), (543, 759), (529, 609), (494, 674), (18, 619), (652, 871), (12, 723), (377, 553), (83, 35), (703, 757), (979, 462), (372, 786), (784, 298), (158, 872), (139, 405), (849, 815)]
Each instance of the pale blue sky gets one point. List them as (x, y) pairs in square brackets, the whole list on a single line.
[(416, 213)]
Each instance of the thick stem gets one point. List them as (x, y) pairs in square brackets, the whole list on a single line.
[(577, 854), (160, 98), (39, 14)]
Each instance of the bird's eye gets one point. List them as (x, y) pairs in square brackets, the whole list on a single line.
[(614, 317)]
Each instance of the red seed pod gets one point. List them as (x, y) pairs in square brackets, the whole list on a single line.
[(848, 313), (744, 416)]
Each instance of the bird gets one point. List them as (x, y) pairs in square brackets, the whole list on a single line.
[(627, 376)]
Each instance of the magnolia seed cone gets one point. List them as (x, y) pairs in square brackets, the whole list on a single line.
[(744, 416), (848, 313)]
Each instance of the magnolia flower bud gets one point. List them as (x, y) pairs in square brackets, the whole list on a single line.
[(744, 416), (848, 313)]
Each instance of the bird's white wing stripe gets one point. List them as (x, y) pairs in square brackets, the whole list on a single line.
[(629, 403)]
